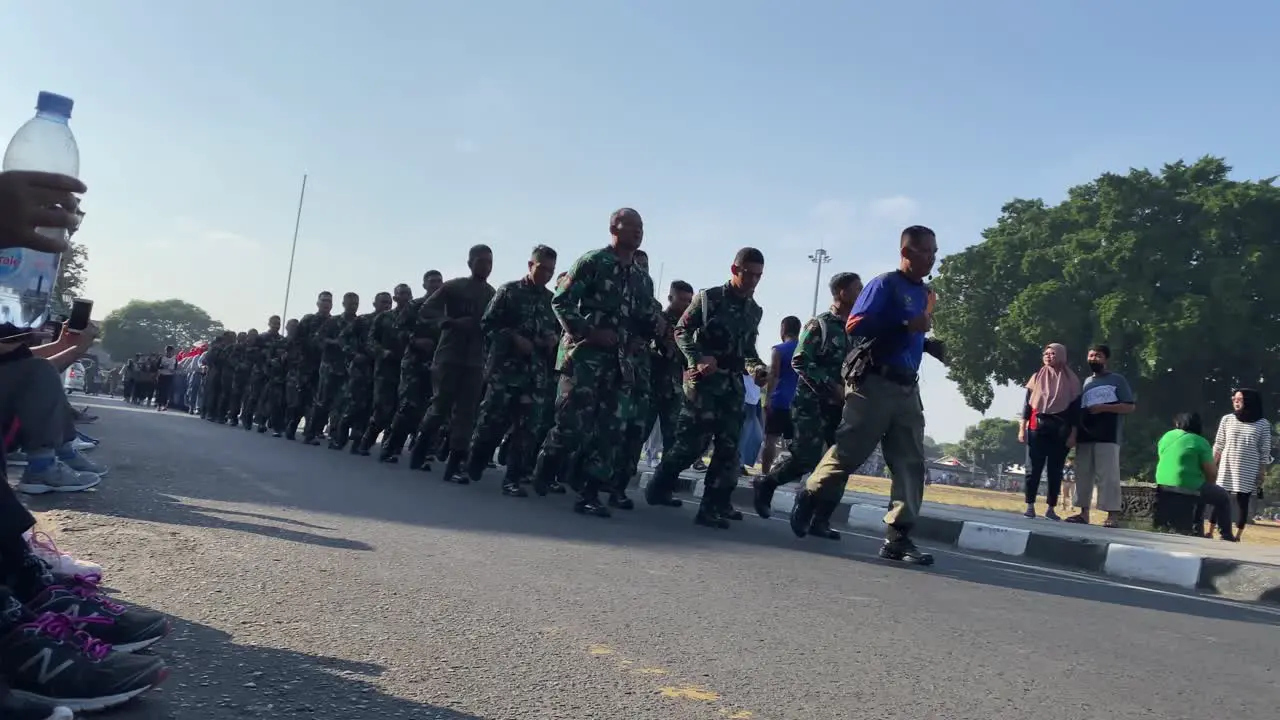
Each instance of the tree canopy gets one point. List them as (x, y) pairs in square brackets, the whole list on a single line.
[(71, 273), (1174, 271), (148, 325), (992, 444)]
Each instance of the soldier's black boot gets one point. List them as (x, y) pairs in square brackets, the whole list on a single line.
[(338, 440), (291, 431), (453, 468), (820, 526), (709, 513), (544, 473), (588, 502), (366, 441), (262, 428), (418, 456), (618, 495), (659, 490), (802, 513), (314, 424), (475, 468), (391, 445), (897, 546), (762, 489), (724, 501), (511, 487)]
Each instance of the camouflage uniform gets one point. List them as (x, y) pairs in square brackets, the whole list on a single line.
[(256, 357), (238, 362), (599, 293), (818, 403), (386, 347), (666, 376), (518, 385), (350, 414), (271, 404), (634, 406), (331, 378), (722, 324), (304, 364), (211, 408), (414, 390)]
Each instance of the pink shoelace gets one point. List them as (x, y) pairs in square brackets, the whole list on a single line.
[(86, 586), (63, 629), (43, 541)]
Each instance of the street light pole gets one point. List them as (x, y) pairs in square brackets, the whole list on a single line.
[(297, 223), (819, 257)]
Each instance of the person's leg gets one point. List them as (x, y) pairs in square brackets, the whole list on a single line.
[(1241, 514), (1055, 462), (498, 411), (1037, 455), (462, 420), (446, 381), (1085, 474), (1107, 471), (1219, 499), (903, 448), (750, 437)]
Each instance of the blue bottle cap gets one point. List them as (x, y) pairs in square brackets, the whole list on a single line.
[(54, 104)]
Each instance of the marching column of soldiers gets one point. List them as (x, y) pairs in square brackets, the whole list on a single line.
[(565, 385)]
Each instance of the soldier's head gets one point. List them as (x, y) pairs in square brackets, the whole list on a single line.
[(480, 261), (747, 269), (273, 323), (242, 336), (382, 301), (431, 281), (642, 259), (252, 334), (790, 329), (229, 336), (350, 303), (561, 280), (291, 326), (403, 294), (626, 228), (845, 288), (679, 296), (542, 265), (324, 303)]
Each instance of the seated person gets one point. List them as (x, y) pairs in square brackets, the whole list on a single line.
[(1186, 462)]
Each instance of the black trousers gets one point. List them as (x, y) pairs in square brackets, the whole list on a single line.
[(1047, 453)]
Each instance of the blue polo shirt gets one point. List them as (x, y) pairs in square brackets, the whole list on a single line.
[(886, 303)]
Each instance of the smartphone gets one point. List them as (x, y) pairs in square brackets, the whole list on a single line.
[(80, 312)]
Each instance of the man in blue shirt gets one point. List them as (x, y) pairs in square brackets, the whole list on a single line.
[(882, 405)]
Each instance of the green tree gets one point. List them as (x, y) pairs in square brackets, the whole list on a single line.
[(71, 273), (931, 447), (1175, 271), (992, 444), (147, 326)]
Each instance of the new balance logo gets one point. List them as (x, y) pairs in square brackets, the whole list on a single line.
[(45, 659)]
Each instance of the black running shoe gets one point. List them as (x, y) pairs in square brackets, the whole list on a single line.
[(13, 707), (49, 661), (127, 629)]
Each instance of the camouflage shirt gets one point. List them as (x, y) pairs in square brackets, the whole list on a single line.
[(665, 356), (723, 324), (354, 339), (385, 344), (601, 293), (407, 330), (520, 307), (819, 355), (304, 349), (329, 340)]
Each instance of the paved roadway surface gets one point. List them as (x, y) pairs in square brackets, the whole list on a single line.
[(311, 584)]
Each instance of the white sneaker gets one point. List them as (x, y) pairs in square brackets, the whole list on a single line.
[(80, 463), (56, 478), (17, 458), (61, 563), (81, 445)]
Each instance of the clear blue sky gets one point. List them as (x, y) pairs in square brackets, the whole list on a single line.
[(427, 127)]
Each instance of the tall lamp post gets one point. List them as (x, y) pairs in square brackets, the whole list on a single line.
[(819, 257)]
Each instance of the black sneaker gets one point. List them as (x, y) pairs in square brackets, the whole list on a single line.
[(13, 707), (49, 661), (903, 550), (125, 628)]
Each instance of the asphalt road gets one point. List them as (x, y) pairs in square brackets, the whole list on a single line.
[(311, 584)]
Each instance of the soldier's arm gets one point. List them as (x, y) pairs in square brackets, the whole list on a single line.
[(497, 323), (755, 365), (433, 314), (373, 339), (569, 294), (687, 328), (805, 359)]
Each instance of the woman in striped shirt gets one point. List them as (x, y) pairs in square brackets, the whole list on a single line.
[(1242, 451)]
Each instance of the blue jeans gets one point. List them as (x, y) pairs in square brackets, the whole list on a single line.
[(752, 436)]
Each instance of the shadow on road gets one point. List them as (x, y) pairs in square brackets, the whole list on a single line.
[(215, 678), (164, 467)]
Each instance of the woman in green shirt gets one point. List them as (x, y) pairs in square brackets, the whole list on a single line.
[(1186, 463)]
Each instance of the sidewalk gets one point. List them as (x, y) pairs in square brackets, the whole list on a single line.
[(1238, 571)]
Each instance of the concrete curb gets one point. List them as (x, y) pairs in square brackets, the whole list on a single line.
[(1239, 580)]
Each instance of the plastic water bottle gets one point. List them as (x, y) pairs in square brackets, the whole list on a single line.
[(27, 277)]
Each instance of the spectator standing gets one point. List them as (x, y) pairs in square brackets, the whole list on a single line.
[(166, 368), (752, 425), (1106, 400), (780, 392), (1050, 415), (1242, 451)]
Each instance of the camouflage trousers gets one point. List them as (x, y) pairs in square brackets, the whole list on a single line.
[(713, 412), (587, 422), (299, 393), (211, 406), (271, 404), (665, 401), (357, 400), (386, 398), (253, 397), (633, 420), (331, 381), (412, 397), (815, 430), (516, 411), (234, 397)]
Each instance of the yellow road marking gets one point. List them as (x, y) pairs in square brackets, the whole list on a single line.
[(690, 692), (652, 671), (600, 650)]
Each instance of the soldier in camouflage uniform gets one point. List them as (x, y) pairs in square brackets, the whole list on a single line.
[(667, 368), (414, 391), (216, 377), (523, 334), (600, 310), (387, 349), (819, 401), (350, 415), (271, 407), (238, 361), (257, 360), (633, 406), (717, 336), (331, 377), (304, 364)]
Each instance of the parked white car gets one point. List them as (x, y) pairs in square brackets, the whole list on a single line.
[(73, 378)]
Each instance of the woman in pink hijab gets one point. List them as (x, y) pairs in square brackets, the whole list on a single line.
[(1048, 428)]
